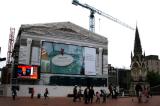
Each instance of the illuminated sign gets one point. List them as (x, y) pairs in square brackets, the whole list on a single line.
[(27, 72)]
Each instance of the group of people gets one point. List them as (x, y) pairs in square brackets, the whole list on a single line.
[(14, 93), (88, 95), (45, 93), (142, 93), (112, 91)]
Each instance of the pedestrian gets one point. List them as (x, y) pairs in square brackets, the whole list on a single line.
[(75, 93), (91, 94), (79, 93), (149, 92), (140, 96), (86, 95), (32, 93), (98, 97), (46, 93), (138, 89), (110, 90), (14, 93), (103, 93), (115, 92), (145, 92)]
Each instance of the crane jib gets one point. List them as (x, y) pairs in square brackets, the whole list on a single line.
[(94, 10)]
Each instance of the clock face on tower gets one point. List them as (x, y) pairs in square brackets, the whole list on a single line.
[(135, 65)]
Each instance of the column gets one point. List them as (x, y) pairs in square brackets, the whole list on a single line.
[(29, 42), (100, 61)]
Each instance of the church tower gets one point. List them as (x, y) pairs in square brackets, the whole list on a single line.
[(138, 69)]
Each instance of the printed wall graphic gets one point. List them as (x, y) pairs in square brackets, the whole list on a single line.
[(90, 61), (22, 55), (35, 56), (59, 58)]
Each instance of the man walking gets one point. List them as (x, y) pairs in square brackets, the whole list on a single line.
[(75, 93)]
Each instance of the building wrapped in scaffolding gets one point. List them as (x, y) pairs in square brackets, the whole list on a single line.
[(58, 56)]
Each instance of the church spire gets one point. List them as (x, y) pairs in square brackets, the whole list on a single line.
[(137, 43)]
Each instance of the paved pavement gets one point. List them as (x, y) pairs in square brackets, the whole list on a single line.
[(59, 101)]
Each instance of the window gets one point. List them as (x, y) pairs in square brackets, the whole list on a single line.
[(83, 81)]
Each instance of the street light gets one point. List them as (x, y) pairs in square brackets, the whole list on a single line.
[(117, 72)]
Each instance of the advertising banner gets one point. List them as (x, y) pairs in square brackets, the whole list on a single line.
[(35, 56), (90, 61), (22, 55), (59, 58)]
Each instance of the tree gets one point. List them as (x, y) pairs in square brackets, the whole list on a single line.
[(153, 78)]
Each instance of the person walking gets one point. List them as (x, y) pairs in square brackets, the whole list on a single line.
[(103, 93), (46, 93), (14, 93), (138, 89), (86, 95), (115, 92), (149, 92), (79, 93), (75, 93), (32, 93), (145, 92), (110, 88), (98, 97), (91, 94)]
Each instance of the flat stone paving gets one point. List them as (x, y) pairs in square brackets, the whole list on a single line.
[(65, 101)]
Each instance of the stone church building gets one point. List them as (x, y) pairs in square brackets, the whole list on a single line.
[(138, 66)]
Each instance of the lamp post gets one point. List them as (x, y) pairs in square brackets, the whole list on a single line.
[(117, 72), (117, 79)]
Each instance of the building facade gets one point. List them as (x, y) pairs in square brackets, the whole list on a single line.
[(59, 55), (152, 63), (119, 77)]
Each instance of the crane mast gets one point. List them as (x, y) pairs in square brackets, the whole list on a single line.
[(92, 18), (10, 45)]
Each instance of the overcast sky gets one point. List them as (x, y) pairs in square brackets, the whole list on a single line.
[(145, 13)]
